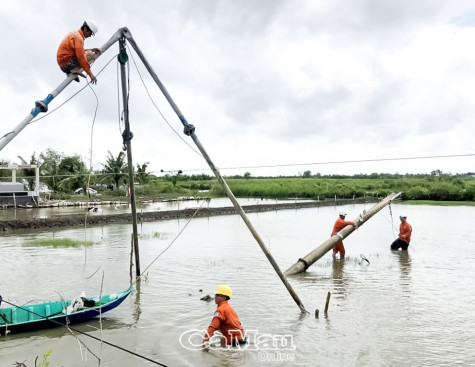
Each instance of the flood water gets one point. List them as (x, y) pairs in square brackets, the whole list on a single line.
[(122, 207), (411, 308)]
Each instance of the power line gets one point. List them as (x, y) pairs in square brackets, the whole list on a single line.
[(289, 164), (347, 161)]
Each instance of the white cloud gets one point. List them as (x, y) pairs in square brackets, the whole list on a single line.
[(265, 83)]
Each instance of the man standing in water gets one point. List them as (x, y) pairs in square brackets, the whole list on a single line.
[(225, 320), (341, 223), (405, 231)]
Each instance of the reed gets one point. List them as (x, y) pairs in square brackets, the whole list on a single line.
[(58, 242)]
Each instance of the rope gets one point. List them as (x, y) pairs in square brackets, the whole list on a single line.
[(392, 220), (364, 258), (160, 112), (89, 177), (176, 237), (74, 95), (88, 335)]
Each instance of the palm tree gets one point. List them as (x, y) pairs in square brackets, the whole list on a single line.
[(74, 171), (50, 168), (141, 174), (115, 169), (29, 173), (4, 172)]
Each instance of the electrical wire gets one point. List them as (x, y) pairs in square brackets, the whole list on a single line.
[(177, 236), (74, 95), (343, 162)]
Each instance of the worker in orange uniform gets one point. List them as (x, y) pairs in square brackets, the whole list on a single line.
[(341, 223), (71, 54), (405, 231), (225, 320)]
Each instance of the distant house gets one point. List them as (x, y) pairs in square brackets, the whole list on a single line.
[(13, 193)]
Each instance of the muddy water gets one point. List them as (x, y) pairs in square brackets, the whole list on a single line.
[(121, 208), (403, 309)]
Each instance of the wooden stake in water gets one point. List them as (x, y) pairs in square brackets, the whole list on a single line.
[(327, 302)]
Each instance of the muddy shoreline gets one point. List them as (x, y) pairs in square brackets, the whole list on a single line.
[(95, 219)]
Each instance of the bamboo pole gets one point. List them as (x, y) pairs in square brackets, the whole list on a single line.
[(189, 130), (303, 263)]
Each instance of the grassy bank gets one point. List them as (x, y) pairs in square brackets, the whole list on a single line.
[(440, 203), (443, 188), (428, 188)]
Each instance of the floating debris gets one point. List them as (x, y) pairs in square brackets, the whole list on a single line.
[(206, 298)]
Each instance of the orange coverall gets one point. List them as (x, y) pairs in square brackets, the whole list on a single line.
[(73, 45), (405, 231), (339, 225), (227, 322)]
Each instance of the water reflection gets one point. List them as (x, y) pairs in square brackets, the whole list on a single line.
[(56, 331), (137, 310), (339, 278), (404, 263), (404, 260), (123, 207)]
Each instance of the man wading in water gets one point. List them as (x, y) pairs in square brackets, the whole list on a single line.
[(225, 320), (405, 231), (340, 223)]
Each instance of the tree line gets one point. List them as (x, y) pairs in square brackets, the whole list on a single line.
[(67, 173)]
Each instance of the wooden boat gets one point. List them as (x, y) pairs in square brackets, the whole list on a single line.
[(57, 313)]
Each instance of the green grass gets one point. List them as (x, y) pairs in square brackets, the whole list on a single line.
[(58, 242), (440, 203), (427, 188)]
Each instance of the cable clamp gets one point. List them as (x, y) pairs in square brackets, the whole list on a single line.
[(189, 129), (43, 107), (338, 234), (127, 136), (305, 263)]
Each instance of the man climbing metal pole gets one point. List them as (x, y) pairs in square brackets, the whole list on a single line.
[(71, 54)]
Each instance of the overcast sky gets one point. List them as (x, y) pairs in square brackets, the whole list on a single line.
[(274, 83)]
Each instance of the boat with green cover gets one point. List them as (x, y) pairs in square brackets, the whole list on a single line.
[(32, 317)]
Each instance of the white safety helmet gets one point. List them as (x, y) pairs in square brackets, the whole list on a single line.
[(403, 216), (342, 212), (92, 25)]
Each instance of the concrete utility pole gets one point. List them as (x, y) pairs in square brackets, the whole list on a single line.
[(127, 137), (189, 130), (304, 263)]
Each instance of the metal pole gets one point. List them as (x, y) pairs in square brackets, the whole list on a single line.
[(127, 135), (37, 179), (190, 131), (42, 105), (303, 263)]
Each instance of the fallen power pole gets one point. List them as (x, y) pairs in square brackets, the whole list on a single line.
[(304, 263)]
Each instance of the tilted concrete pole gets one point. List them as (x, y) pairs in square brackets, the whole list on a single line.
[(303, 263)]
